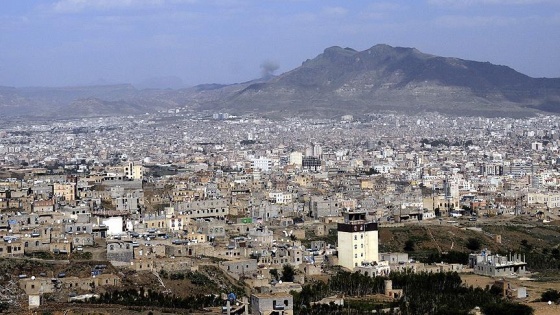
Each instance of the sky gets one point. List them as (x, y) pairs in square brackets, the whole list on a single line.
[(80, 42)]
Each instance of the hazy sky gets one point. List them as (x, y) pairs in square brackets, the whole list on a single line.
[(76, 42)]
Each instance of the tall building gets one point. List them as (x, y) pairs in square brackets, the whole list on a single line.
[(296, 158), (358, 241), (263, 164), (311, 163), (133, 171)]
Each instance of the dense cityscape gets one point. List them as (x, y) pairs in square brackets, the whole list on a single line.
[(205, 212), (248, 157)]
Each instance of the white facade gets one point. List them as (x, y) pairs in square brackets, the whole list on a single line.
[(133, 171), (114, 225), (296, 158), (263, 164), (358, 241), (280, 197)]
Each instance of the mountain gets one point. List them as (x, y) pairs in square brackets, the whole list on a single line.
[(165, 82), (343, 80), (337, 81)]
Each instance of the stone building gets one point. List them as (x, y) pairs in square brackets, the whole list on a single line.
[(120, 251), (274, 303), (484, 263)]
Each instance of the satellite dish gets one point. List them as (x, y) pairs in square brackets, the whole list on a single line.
[(9, 241), (32, 277), (280, 282)]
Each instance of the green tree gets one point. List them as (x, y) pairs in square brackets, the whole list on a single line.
[(550, 295), (274, 274), (473, 244), (288, 273), (409, 246)]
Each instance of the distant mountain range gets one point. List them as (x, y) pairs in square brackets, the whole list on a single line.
[(338, 81)]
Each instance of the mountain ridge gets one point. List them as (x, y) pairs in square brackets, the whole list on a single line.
[(337, 81), (405, 79)]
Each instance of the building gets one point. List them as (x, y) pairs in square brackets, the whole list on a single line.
[(486, 264), (311, 163), (263, 164), (296, 158), (122, 252), (133, 171), (491, 169), (269, 304), (65, 192), (358, 241)]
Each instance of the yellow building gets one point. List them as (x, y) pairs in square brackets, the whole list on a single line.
[(358, 241), (133, 171), (65, 191)]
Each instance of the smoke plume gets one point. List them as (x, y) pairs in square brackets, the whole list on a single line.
[(268, 67)]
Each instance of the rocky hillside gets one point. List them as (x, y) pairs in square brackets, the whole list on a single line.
[(338, 81)]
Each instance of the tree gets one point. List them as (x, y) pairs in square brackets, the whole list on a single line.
[(274, 274), (3, 307), (473, 244), (288, 273), (550, 295), (409, 246), (526, 245), (555, 253)]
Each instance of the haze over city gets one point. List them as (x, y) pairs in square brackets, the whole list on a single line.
[(296, 157), (184, 43)]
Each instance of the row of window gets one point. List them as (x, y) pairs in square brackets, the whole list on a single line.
[(78, 228), (206, 211), (361, 237)]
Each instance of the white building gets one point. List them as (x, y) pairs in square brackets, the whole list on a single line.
[(263, 164), (358, 241), (280, 197), (114, 225), (133, 171), (296, 158)]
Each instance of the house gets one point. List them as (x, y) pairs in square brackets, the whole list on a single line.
[(120, 252), (272, 304), (486, 264)]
